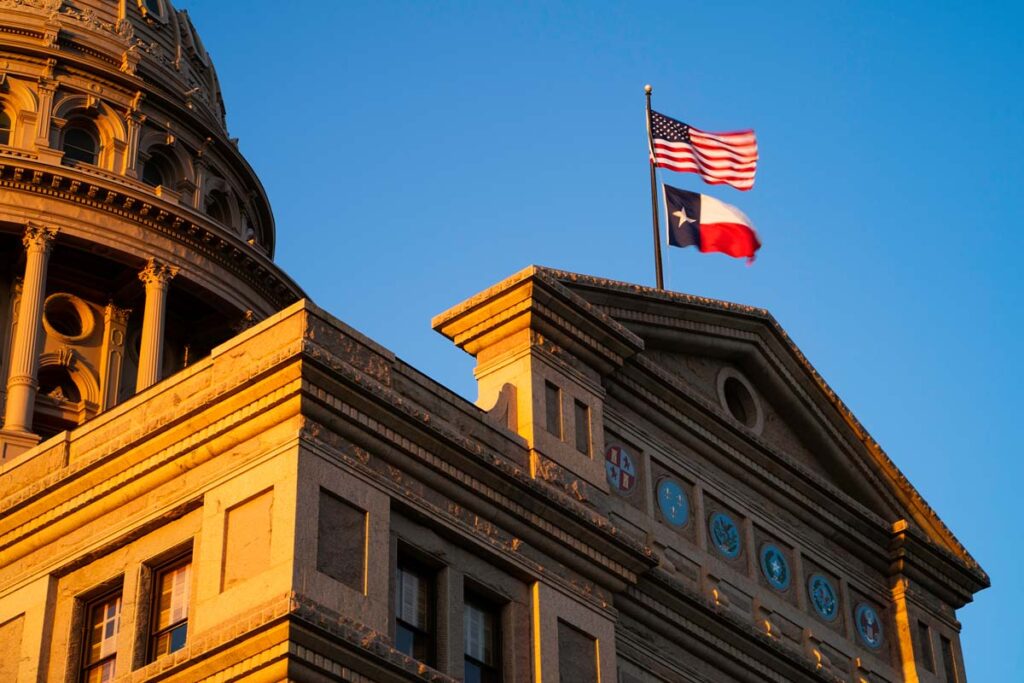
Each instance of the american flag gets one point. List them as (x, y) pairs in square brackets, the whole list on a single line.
[(729, 158)]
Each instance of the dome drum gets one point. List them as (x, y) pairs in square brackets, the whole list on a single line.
[(138, 236)]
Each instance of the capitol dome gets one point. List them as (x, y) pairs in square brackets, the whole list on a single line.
[(132, 228)]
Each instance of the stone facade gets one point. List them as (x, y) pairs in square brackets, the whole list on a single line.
[(206, 477)]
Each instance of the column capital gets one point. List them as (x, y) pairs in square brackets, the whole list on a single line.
[(157, 274), (39, 237), (117, 313)]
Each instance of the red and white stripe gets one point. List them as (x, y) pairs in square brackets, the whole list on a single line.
[(720, 158)]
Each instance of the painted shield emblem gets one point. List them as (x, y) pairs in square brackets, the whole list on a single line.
[(823, 596), (725, 535), (672, 502), (774, 567), (869, 626), (620, 469)]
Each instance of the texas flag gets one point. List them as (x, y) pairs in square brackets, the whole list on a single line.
[(711, 225)]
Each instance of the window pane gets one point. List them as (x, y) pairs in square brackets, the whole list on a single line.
[(104, 620), (413, 599), (170, 624), (482, 626), (80, 145), (479, 628), (101, 673), (5, 128), (414, 612), (151, 174)]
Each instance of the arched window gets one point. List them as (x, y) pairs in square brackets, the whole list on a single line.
[(157, 169), (217, 207), (5, 128), (81, 143)]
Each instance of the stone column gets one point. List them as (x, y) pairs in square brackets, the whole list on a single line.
[(157, 276), (23, 381)]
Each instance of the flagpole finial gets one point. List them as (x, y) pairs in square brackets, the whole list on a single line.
[(648, 89)]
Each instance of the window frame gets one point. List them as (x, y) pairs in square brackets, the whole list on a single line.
[(10, 126), (429, 633), (476, 599), (87, 127), (153, 632), (149, 13), (89, 605)]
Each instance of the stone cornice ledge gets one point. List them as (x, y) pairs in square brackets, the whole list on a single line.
[(532, 300)]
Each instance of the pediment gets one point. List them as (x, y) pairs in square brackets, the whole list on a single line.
[(698, 343)]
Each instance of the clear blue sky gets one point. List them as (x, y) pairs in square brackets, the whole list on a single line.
[(417, 153)]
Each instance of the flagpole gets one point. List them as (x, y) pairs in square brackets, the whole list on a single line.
[(654, 196)]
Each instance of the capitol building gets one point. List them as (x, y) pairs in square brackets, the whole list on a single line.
[(206, 477)]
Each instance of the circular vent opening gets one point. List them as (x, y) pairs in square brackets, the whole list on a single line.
[(739, 402), (67, 316)]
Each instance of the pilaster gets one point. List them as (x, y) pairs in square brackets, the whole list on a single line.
[(115, 326)]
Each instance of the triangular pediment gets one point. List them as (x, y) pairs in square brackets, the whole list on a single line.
[(698, 344)]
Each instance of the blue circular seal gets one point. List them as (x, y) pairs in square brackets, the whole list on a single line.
[(774, 567), (823, 596), (672, 502), (869, 626), (724, 534)]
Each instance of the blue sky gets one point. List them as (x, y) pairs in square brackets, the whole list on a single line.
[(416, 153)]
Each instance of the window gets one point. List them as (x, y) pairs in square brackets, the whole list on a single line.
[(481, 622), (949, 660), (924, 647), (80, 144), (170, 608), (5, 128), (217, 207), (414, 612), (157, 169), (582, 415), (553, 408), (103, 618), (152, 173)]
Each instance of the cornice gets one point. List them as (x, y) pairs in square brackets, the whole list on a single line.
[(463, 521), (114, 195), (530, 300), (742, 644), (551, 500)]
